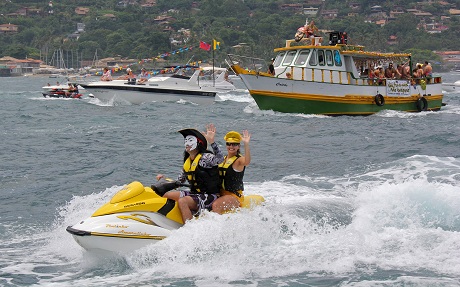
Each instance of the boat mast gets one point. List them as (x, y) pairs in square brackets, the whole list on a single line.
[(95, 59)]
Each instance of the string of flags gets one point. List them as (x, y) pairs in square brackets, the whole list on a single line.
[(203, 45)]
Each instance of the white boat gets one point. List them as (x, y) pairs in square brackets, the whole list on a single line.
[(200, 87), (135, 217), (451, 87)]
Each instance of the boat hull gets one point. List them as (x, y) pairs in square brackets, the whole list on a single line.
[(138, 94), (295, 96)]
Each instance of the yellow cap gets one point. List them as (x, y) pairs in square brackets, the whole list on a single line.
[(232, 137)]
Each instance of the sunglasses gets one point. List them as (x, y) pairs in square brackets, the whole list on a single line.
[(232, 144)]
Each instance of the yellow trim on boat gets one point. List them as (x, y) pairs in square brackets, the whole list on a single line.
[(347, 99), (306, 47), (128, 236)]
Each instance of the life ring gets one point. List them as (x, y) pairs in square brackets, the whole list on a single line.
[(422, 104), (379, 100)]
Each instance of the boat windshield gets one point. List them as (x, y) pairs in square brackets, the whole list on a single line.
[(289, 57), (314, 58), (184, 72), (207, 75), (302, 57), (278, 59)]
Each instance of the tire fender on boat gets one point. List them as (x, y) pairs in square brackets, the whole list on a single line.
[(422, 104), (379, 100)]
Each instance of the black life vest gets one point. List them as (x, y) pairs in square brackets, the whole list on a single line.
[(231, 180), (202, 180)]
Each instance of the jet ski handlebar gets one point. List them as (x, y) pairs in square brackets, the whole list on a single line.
[(164, 185)]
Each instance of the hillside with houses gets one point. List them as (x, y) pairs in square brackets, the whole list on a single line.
[(72, 34)]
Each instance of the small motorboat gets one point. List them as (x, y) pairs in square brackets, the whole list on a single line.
[(135, 216), (70, 91), (451, 87), (61, 94)]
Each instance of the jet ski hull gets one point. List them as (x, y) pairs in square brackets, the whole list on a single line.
[(122, 232), (135, 217)]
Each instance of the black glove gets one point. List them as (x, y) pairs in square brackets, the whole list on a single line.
[(163, 186)]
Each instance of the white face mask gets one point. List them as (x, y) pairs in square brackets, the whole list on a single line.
[(191, 141)]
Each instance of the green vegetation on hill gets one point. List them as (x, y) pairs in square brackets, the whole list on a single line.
[(261, 24)]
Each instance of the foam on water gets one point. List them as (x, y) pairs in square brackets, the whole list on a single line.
[(240, 95), (252, 108), (403, 215)]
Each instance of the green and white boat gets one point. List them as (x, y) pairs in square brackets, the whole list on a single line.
[(331, 79)]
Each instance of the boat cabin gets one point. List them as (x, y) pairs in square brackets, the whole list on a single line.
[(337, 62)]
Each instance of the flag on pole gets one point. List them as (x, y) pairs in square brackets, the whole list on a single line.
[(205, 46), (215, 44)]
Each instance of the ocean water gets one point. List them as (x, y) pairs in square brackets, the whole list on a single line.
[(350, 201)]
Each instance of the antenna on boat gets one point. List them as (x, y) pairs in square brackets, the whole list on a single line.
[(188, 62)]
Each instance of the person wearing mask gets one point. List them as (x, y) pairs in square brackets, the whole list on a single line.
[(200, 169), (231, 172)]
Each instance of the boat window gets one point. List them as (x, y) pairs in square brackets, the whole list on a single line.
[(289, 57), (302, 58), (278, 59), (314, 58), (329, 61), (321, 57), (337, 59)]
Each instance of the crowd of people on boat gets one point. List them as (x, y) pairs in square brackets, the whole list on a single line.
[(216, 181), (141, 78), (376, 75), (178, 71)]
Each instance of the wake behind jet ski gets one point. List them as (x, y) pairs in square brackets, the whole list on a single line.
[(135, 217)]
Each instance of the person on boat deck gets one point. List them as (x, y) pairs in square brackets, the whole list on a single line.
[(226, 77), (405, 74), (370, 75), (399, 68), (391, 72), (129, 75), (288, 75), (71, 90), (271, 68), (420, 71), (200, 169), (379, 75), (143, 76), (231, 172), (106, 75), (428, 71)]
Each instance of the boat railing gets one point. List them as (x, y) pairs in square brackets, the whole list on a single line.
[(342, 77), (346, 47), (247, 63)]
